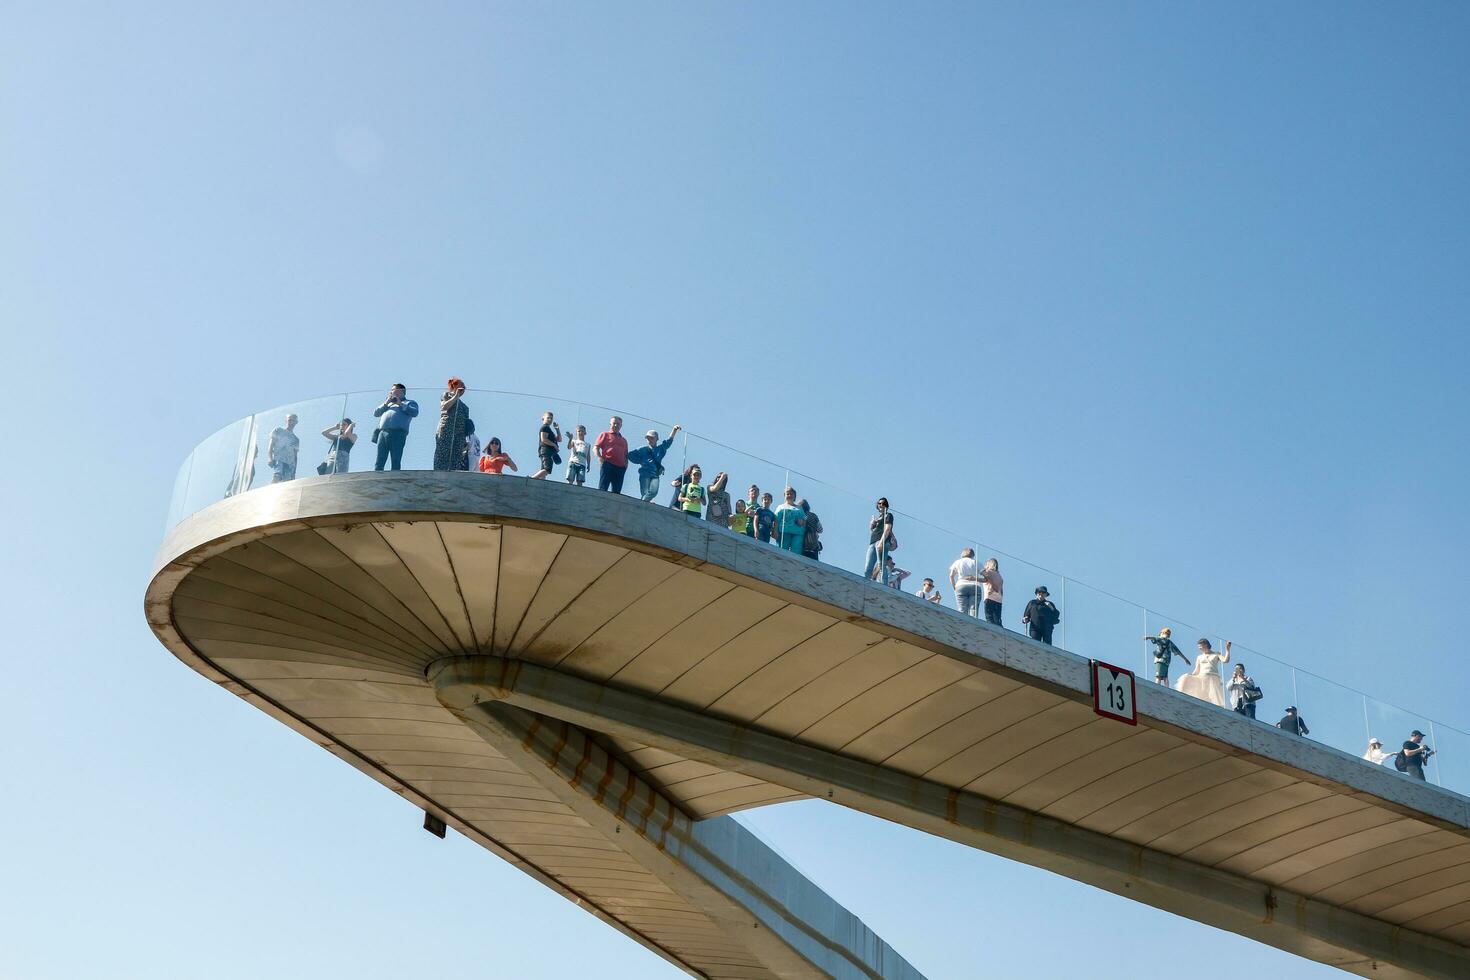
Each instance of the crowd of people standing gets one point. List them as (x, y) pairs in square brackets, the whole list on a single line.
[(792, 525)]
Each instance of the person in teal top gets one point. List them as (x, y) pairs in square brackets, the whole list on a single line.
[(791, 523), (692, 495)]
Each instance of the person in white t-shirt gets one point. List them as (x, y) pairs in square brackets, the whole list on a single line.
[(964, 578), (577, 456), (929, 593)]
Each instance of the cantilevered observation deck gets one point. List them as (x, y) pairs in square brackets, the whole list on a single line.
[(587, 685)]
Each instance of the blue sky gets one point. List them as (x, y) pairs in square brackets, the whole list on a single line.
[(1168, 296)]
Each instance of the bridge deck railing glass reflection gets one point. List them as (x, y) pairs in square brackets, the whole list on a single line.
[(1094, 623)]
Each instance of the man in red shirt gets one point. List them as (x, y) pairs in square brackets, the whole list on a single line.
[(612, 451)]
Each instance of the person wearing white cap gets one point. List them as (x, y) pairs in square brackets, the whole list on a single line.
[(1375, 753), (650, 460)]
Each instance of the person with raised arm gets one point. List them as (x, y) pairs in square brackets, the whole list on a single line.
[(650, 460), (719, 509), (449, 441), (1243, 692), (548, 440), (394, 417), (578, 455), (495, 460), (1204, 681), (1165, 650), (340, 438), (929, 593)]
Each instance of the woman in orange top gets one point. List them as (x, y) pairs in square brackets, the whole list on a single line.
[(494, 460)]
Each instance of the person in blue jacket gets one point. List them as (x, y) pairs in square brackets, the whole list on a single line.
[(650, 460)]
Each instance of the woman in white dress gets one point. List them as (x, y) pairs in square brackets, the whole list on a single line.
[(1204, 681)]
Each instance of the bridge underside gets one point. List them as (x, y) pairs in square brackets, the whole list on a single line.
[(588, 685)]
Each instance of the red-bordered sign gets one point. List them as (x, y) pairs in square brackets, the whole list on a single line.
[(1112, 692)]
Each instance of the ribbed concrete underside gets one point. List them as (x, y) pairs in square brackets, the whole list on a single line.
[(335, 620)]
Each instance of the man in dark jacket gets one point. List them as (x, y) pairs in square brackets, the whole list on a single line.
[(1292, 724), (1041, 616)]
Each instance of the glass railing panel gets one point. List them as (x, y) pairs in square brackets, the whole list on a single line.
[(1334, 713), (1271, 676), (289, 441), (223, 465), (1101, 626), (1450, 765), (179, 498)]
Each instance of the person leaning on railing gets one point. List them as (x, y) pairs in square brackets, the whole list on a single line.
[(394, 417)]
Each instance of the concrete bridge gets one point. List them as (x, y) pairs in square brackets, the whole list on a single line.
[(588, 685)]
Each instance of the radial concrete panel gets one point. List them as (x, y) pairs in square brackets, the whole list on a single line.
[(722, 673)]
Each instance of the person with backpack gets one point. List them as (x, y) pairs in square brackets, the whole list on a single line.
[(1411, 758), (650, 460), (1041, 616), (1165, 650)]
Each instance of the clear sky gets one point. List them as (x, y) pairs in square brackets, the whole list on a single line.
[(1168, 296)]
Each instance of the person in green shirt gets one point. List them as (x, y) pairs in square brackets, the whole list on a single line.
[(740, 520), (692, 495)]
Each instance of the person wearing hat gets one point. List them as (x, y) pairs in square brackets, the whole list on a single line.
[(1293, 724), (1164, 651), (1041, 616), (1375, 753), (650, 460), (1414, 756)]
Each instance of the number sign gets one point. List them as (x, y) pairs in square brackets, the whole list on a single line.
[(1112, 692)]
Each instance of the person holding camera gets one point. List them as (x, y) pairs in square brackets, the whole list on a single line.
[(1414, 755), (394, 417), (449, 438), (1243, 692)]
